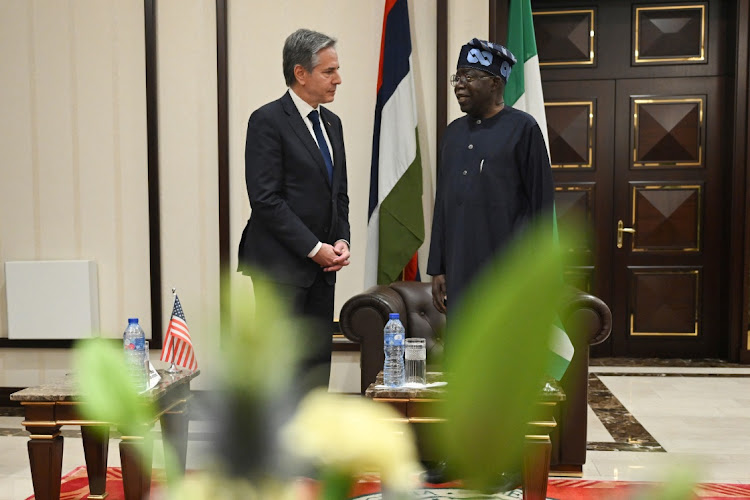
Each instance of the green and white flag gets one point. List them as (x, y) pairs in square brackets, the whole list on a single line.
[(561, 351), (524, 88), (524, 91)]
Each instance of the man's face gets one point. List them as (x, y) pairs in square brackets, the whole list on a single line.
[(475, 91), (320, 85)]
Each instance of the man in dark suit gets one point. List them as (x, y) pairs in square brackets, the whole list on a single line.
[(295, 170)]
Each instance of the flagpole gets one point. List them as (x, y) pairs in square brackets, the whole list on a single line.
[(172, 367)]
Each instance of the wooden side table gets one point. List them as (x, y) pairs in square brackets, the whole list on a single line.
[(418, 406), (48, 407)]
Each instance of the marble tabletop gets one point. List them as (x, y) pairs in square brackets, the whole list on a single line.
[(64, 389), (435, 389)]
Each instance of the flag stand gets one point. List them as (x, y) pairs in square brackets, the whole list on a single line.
[(172, 367)]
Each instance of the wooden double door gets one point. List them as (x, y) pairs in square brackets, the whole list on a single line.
[(641, 158)]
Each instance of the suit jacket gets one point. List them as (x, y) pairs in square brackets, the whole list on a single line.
[(293, 204)]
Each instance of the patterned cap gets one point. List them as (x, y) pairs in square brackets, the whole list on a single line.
[(487, 56)]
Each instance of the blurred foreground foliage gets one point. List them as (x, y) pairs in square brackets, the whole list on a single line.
[(109, 394), (496, 360)]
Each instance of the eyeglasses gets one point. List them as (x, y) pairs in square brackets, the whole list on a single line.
[(467, 78)]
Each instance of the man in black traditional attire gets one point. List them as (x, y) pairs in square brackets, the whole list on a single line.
[(494, 179)]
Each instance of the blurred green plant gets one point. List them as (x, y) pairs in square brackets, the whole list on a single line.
[(679, 484), (108, 394), (497, 358), (497, 353), (261, 342)]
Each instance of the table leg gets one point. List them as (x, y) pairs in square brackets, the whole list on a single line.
[(174, 429), (135, 458), (536, 456), (95, 447), (45, 458)]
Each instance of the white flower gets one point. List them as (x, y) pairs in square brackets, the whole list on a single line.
[(354, 435)]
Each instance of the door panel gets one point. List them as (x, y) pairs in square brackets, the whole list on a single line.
[(668, 160)]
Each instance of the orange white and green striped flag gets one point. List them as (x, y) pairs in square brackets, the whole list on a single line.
[(395, 222)]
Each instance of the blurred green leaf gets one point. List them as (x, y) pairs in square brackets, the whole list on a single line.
[(106, 389), (679, 485), (497, 355), (336, 485), (261, 345)]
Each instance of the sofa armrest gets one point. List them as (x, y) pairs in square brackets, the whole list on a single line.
[(588, 321), (586, 314), (358, 313)]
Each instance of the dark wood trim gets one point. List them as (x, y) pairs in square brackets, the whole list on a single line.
[(154, 211), (743, 38), (38, 344), (493, 21), (441, 53), (498, 29), (341, 344), (222, 96), (739, 184), (5, 393)]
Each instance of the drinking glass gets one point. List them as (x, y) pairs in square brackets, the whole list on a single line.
[(415, 354)]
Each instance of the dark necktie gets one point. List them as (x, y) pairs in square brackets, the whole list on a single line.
[(313, 116)]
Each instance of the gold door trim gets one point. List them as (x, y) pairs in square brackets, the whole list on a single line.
[(699, 229), (694, 333), (684, 59), (642, 164), (590, 136), (590, 60)]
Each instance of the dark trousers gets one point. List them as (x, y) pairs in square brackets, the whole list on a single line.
[(313, 306)]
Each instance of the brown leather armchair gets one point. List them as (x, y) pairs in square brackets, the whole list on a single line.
[(586, 318)]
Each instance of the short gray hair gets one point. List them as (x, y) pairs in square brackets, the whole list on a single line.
[(302, 47)]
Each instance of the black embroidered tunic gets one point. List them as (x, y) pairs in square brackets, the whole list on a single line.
[(494, 178)]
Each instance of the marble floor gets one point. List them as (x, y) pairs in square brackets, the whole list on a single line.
[(647, 420)]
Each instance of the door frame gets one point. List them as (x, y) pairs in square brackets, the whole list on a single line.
[(739, 224)]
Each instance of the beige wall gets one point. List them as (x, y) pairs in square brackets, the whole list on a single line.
[(73, 166), (462, 27), (188, 166)]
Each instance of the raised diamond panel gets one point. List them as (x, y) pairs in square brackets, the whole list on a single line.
[(668, 132), (570, 127), (664, 302), (667, 217), (564, 37), (670, 34), (574, 207)]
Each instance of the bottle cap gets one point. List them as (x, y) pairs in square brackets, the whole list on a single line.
[(132, 320), (393, 316)]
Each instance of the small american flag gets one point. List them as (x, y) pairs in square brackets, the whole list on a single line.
[(177, 343)]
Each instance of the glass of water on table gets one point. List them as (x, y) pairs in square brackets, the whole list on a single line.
[(415, 355)]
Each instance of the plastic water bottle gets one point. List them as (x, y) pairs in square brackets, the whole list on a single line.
[(393, 336), (134, 342)]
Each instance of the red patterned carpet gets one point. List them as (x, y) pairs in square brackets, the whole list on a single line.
[(74, 486)]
